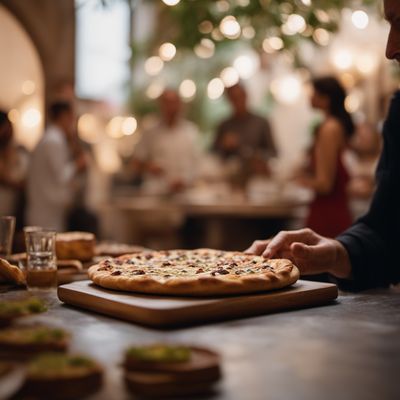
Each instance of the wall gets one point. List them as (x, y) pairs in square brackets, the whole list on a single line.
[(21, 80), (51, 26)]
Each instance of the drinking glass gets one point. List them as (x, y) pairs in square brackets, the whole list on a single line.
[(41, 271), (7, 228)]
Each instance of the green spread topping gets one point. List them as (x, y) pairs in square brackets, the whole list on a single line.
[(160, 353), (32, 305), (52, 364), (26, 335)]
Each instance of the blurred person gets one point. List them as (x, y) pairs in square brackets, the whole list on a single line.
[(13, 168), (361, 159), (245, 135), (364, 256), (169, 152), (80, 217), (53, 171), (326, 175)]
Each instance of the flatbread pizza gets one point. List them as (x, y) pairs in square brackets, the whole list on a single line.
[(201, 272)]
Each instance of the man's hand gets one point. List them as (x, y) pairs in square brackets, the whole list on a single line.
[(312, 253)]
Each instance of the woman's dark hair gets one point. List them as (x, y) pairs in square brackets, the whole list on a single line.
[(331, 88), (5, 130)]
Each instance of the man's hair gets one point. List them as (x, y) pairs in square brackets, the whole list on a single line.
[(59, 108)]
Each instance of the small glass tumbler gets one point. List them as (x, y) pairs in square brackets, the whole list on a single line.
[(7, 228), (41, 271)]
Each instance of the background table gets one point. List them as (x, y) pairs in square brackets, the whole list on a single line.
[(230, 223), (348, 351)]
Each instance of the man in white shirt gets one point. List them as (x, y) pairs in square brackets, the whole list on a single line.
[(168, 154), (52, 172)]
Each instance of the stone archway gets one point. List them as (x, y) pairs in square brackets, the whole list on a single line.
[(21, 80), (51, 26)]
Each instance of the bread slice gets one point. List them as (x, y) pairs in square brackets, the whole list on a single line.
[(75, 246), (11, 273)]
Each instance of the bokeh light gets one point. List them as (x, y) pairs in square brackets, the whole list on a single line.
[(230, 27), (129, 126), (360, 19), (205, 49), (215, 89), (171, 2), (31, 118), (187, 89), (229, 76), (167, 51), (246, 65), (287, 90), (153, 65)]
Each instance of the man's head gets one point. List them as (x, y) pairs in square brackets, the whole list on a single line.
[(6, 130), (170, 106), (61, 114), (237, 96), (392, 14)]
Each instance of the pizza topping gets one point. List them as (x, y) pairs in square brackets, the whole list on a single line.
[(139, 272), (116, 273), (222, 271)]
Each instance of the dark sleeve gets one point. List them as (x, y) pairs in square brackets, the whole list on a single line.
[(372, 241), (267, 139)]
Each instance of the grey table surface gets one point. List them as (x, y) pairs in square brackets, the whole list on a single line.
[(348, 350)]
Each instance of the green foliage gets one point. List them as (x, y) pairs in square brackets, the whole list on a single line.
[(182, 25), (182, 21)]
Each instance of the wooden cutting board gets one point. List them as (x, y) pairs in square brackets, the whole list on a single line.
[(163, 311)]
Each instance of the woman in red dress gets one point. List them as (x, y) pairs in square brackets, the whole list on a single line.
[(329, 213)]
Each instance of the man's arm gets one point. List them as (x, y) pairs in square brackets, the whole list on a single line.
[(365, 255), (372, 242)]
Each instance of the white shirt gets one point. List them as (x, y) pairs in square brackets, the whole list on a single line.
[(50, 178), (174, 149)]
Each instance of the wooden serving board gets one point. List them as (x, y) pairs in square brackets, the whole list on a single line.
[(163, 311)]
